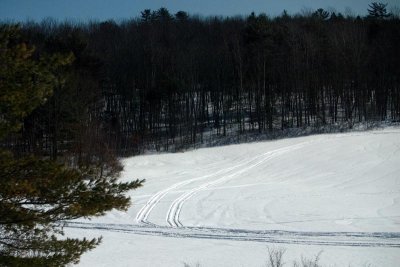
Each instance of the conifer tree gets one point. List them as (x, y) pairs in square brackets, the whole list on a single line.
[(378, 11), (321, 14), (24, 83), (37, 195)]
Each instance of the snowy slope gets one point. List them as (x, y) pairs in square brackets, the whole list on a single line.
[(337, 193)]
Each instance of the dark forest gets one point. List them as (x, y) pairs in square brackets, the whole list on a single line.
[(167, 82)]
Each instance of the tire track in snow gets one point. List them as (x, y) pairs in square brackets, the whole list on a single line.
[(144, 212), (175, 209), (352, 239)]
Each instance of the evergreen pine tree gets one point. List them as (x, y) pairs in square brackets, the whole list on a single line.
[(378, 11), (37, 195)]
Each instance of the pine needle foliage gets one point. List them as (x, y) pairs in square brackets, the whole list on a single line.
[(38, 194)]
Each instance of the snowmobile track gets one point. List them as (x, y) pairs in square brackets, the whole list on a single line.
[(175, 209), (352, 239)]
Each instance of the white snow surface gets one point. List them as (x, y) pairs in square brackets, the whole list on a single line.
[(224, 206)]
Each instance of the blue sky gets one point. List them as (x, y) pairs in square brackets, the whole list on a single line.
[(82, 10)]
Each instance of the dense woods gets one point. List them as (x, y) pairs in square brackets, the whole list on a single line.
[(166, 82)]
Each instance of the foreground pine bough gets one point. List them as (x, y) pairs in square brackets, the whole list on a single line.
[(38, 193)]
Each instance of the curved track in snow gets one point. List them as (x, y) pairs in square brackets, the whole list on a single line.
[(175, 209), (144, 212), (224, 174)]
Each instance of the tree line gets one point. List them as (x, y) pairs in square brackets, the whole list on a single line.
[(169, 81)]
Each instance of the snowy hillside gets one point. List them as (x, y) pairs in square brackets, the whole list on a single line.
[(224, 206)]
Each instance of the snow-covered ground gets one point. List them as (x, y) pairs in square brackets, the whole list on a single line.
[(223, 206)]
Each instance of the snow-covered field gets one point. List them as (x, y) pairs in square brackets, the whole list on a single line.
[(223, 206)]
